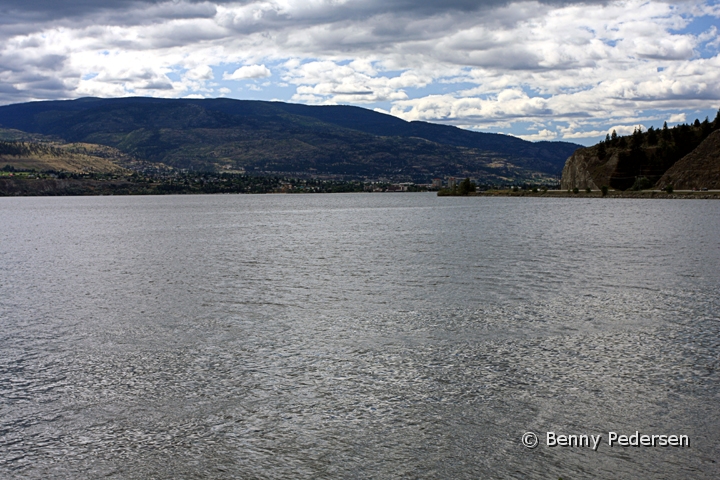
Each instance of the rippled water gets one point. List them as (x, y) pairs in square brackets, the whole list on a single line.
[(356, 336)]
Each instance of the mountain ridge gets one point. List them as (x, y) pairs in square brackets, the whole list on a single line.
[(278, 137)]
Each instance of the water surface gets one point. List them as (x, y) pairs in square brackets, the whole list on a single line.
[(356, 335)]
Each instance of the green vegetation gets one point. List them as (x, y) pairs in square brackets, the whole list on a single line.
[(643, 157), (279, 139), (641, 183), (464, 188), (30, 182)]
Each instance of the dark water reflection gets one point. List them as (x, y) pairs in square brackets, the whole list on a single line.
[(370, 336)]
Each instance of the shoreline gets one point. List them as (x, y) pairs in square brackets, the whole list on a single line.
[(642, 194), (17, 187)]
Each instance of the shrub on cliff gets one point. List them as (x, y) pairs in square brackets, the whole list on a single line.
[(641, 183)]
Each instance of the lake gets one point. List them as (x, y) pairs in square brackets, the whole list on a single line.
[(357, 336)]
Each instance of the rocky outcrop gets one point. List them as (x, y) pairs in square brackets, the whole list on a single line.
[(698, 169), (585, 169)]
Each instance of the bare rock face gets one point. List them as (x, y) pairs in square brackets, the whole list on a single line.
[(698, 169), (584, 169)]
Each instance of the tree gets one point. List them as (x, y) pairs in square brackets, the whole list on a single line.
[(652, 136), (614, 136), (637, 138), (607, 138), (601, 151), (705, 128), (466, 186)]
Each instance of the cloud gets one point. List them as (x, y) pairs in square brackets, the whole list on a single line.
[(357, 82), (201, 72), (248, 72), (677, 118), (575, 67), (568, 134), (542, 135), (626, 129)]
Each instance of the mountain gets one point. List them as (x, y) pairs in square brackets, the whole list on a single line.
[(33, 151), (640, 160), (289, 139), (74, 158), (698, 169)]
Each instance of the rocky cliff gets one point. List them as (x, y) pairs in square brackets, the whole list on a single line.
[(686, 156), (699, 169), (585, 169)]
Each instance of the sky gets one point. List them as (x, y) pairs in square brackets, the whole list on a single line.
[(540, 70)]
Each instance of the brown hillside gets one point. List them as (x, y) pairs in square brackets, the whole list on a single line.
[(62, 163), (698, 169), (42, 155)]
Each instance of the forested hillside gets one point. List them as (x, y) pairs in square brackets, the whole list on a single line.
[(274, 138), (636, 161)]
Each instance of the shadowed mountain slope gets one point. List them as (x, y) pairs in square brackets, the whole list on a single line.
[(282, 138), (698, 169)]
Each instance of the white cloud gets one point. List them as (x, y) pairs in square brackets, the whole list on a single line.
[(677, 118), (625, 129), (201, 72), (247, 72), (571, 135), (585, 66), (328, 82), (545, 134), (507, 104)]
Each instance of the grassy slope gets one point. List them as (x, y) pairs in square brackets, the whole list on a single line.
[(43, 155)]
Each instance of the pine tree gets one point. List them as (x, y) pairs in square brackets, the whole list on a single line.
[(637, 138), (665, 132), (706, 128), (652, 136), (601, 151)]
